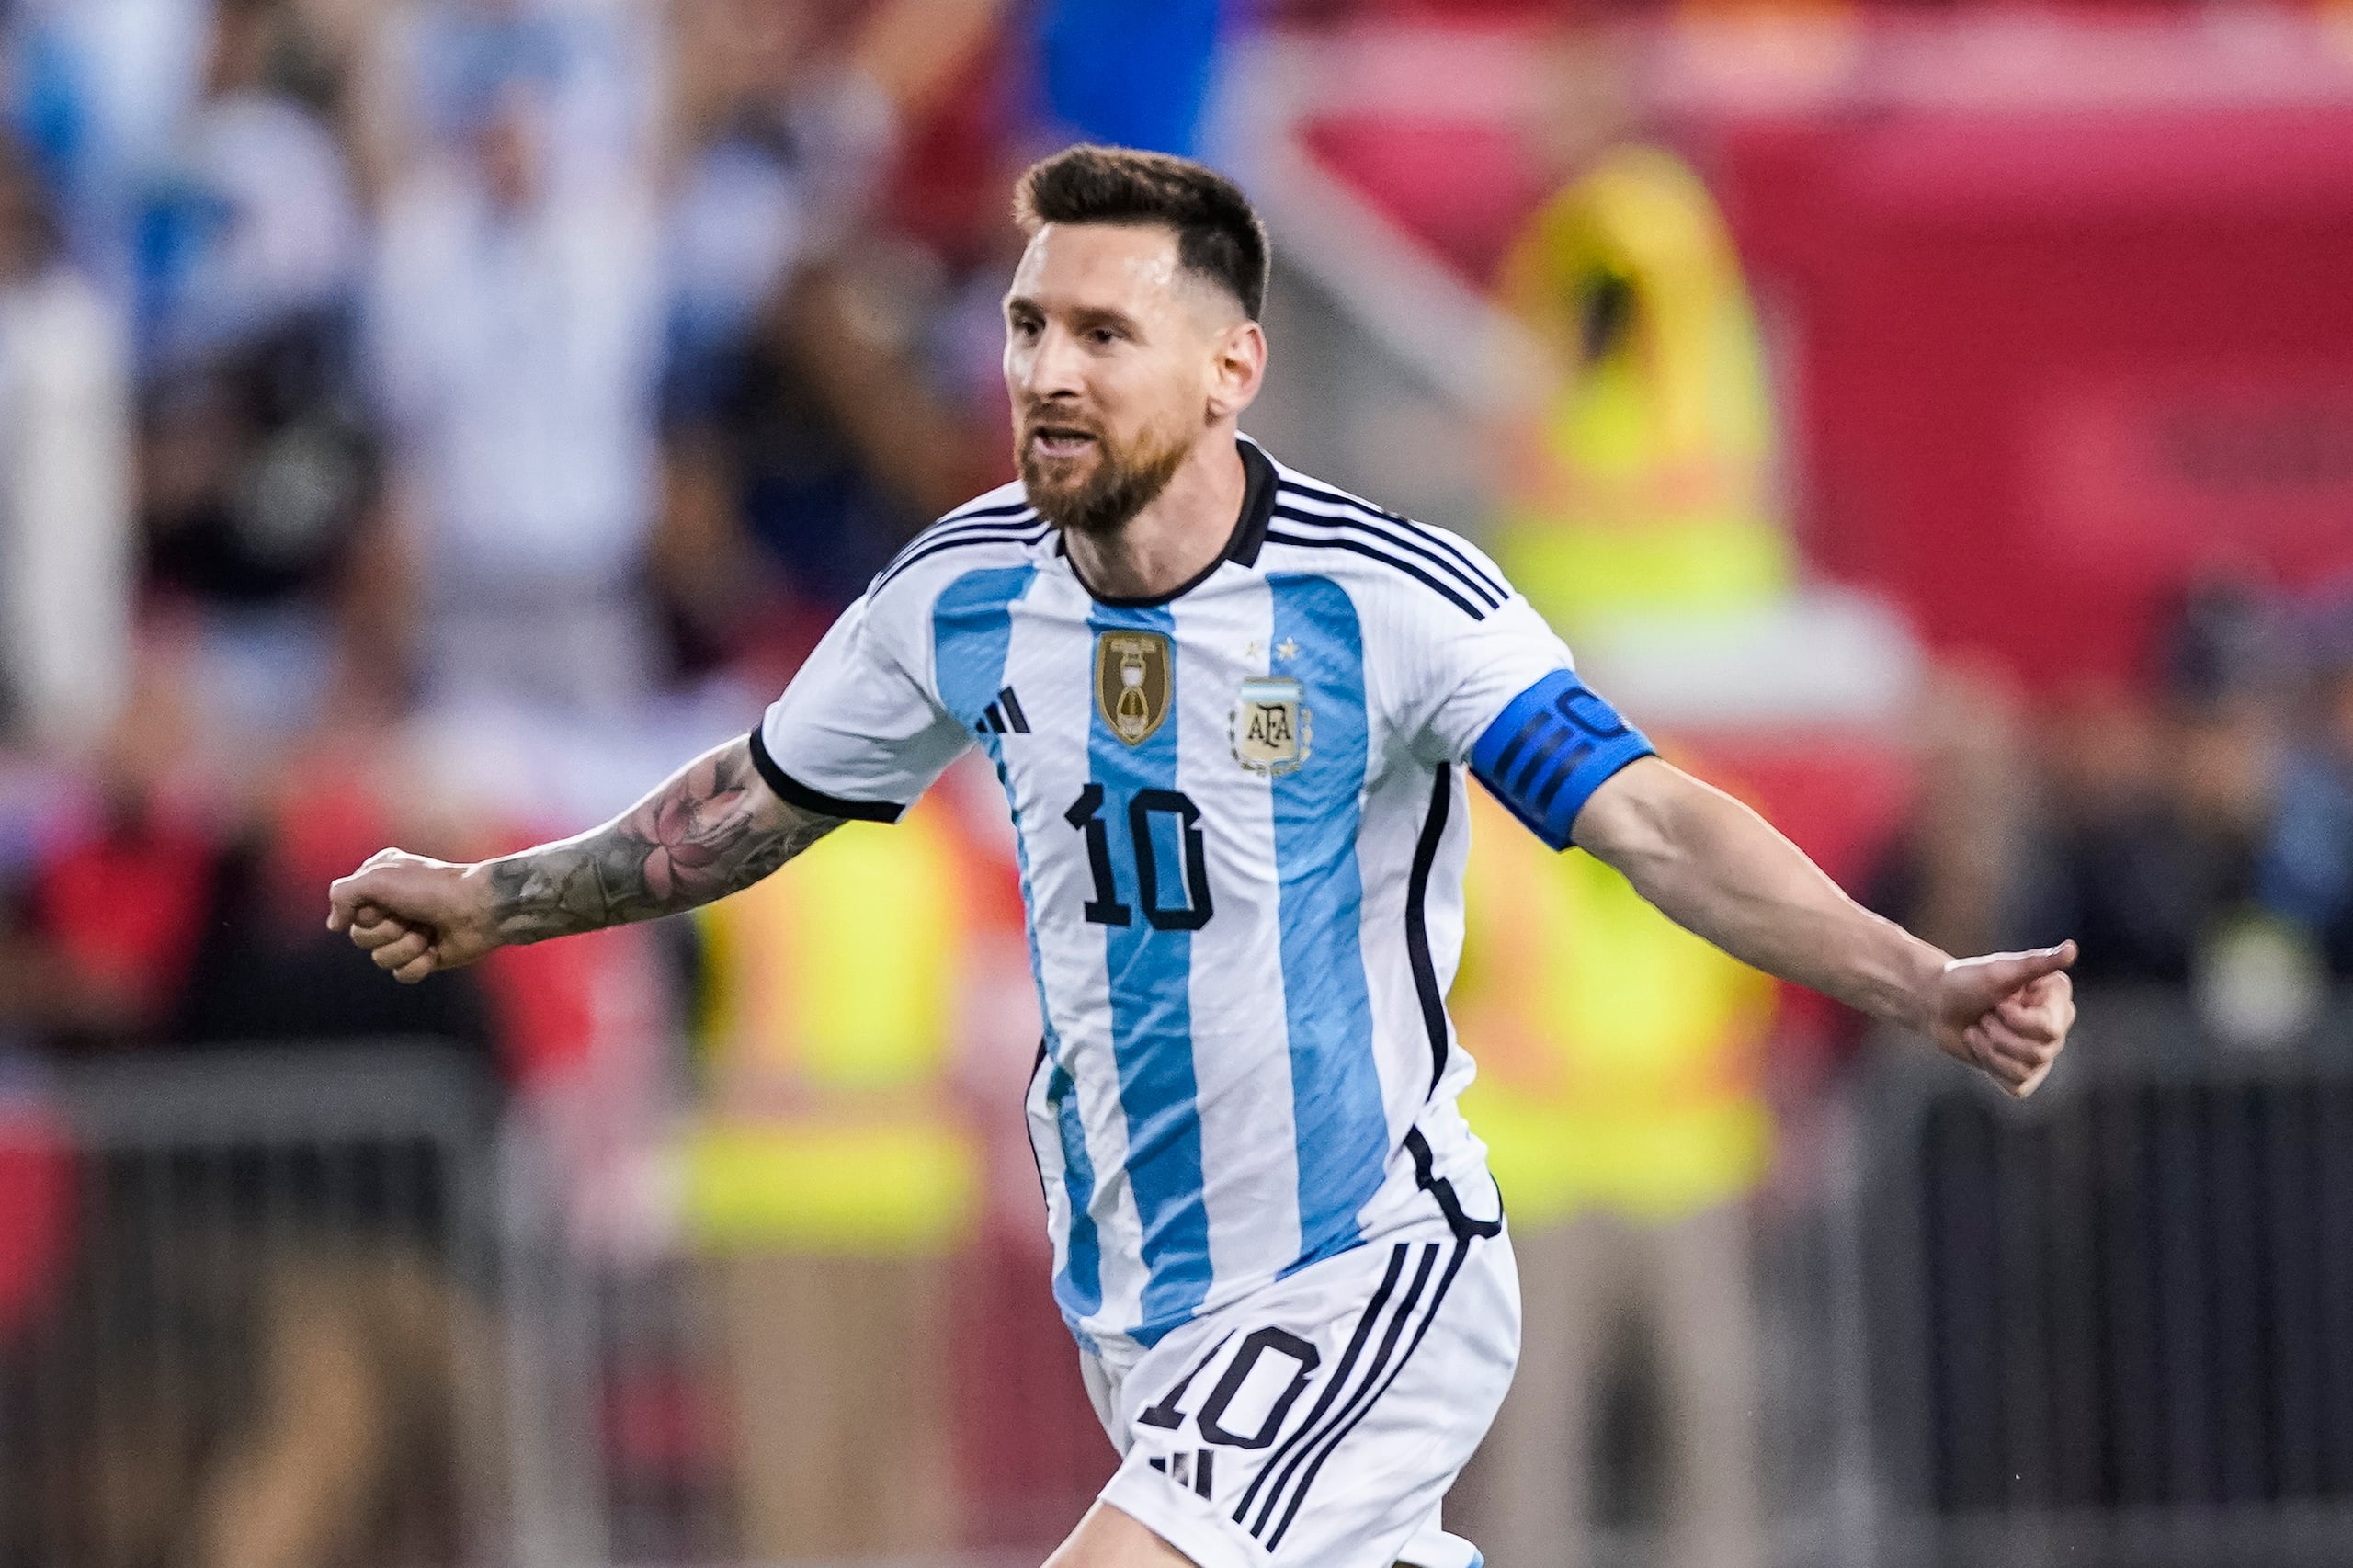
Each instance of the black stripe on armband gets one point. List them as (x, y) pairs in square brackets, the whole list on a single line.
[(795, 793), (1550, 749)]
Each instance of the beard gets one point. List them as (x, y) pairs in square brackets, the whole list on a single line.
[(1122, 482)]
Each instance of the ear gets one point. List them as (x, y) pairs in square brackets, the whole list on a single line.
[(1237, 368)]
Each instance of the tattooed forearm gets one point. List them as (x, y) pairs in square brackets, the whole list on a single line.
[(715, 828)]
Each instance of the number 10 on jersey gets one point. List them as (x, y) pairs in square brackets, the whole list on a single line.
[(1151, 816)]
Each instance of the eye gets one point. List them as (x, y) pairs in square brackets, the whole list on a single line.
[(1104, 336)]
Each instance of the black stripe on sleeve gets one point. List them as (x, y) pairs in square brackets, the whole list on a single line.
[(1476, 587), (1013, 713), (1419, 531), (1001, 509), (1417, 922), (795, 793), (1359, 547), (1021, 533), (977, 520)]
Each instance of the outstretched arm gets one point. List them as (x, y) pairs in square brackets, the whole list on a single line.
[(713, 828), (1718, 870)]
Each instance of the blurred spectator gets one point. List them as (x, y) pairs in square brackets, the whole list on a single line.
[(102, 89), (807, 436), (777, 154), (320, 1330), (1643, 483), (1620, 1094), (148, 916), (2307, 869), (516, 324), (254, 222), (2154, 861), (2189, 843), (594, 65), (259, 478), (835, 1181), (1972, 870), (1641, 509), (66, 544)]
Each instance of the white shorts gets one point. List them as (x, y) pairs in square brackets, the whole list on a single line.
[(1317, 1423)]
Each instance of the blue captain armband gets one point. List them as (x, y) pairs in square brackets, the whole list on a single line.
[(1550, 749)]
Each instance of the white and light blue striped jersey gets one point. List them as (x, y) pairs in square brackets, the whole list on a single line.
[(1240, 832)]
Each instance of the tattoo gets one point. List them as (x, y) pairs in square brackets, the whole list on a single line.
[(713, 829)]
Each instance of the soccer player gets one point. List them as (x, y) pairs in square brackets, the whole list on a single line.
[(1233, 710)]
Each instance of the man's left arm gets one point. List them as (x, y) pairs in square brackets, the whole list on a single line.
[(1718, 870)]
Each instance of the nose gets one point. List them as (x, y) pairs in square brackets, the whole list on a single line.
[(1050, 367)]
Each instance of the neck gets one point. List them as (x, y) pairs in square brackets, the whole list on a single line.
[(1175, 538)]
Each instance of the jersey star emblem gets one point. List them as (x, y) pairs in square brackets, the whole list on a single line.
[(1286, 649)]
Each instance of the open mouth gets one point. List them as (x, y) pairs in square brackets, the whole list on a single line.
[(1060, 440)]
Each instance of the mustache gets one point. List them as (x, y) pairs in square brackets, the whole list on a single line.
[(1033, 421)]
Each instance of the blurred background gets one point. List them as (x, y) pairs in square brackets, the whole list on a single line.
[(429, 421)]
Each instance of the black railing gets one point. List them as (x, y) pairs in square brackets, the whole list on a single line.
[(2114, 1324)]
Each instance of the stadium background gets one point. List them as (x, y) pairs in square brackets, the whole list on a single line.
[(427, 421)]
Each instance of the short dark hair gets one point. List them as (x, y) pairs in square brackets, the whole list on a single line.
[(1218, 236)]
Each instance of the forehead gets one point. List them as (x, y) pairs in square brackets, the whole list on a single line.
[(1130, 265)]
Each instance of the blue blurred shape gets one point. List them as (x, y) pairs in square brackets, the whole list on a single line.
[(1129, 72)]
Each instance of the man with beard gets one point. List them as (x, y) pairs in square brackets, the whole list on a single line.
[(1233, 709)]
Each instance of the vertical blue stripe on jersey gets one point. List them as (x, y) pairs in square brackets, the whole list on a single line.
[(972, 628), (1151, 1012), (1336, 1104), (1079, 1289)]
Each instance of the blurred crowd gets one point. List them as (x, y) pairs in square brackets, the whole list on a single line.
[(425, 424), (2196, 833), (428, 424)]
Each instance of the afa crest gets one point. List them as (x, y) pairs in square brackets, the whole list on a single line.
[(1131, 683), (1269, 728)]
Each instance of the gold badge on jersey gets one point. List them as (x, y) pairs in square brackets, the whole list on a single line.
[(1131, 683), (1268, 729)]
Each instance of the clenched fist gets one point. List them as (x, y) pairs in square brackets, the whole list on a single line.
[(415, 915)]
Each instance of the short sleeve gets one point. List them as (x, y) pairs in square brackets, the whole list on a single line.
[(1505, 698), (856, 734)]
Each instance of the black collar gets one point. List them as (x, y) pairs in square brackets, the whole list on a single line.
[(1258, 484), (1257, 504)]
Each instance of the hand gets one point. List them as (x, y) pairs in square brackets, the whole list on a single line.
[(412, 915), (2007, 1014)]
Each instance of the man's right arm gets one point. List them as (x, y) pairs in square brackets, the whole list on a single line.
[(713, 828)]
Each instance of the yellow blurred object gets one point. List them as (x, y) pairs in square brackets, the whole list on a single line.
[(829, 1026), (863, 1187), (834, 1182), (1619, 1055), (1644, 483)]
